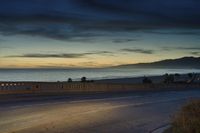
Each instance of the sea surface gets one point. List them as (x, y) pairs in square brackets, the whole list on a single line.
[(76, 74)]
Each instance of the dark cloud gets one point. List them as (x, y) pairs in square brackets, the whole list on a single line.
[(181, 48), (136, 50), (49, 30), (176, 32), (50, 55), (189, 48), (101, 52), (124, 40), (87, 64), (62, 55), (75, 19)]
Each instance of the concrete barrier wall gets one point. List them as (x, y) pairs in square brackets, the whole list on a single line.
[(77, 87)]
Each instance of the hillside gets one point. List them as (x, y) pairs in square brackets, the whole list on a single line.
[(185, 62)]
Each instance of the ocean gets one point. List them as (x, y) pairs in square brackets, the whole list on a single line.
[(76, 74)]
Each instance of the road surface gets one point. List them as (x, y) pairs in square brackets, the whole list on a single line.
[(125, 113)]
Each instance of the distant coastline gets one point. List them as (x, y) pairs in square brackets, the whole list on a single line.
[(53, 75)]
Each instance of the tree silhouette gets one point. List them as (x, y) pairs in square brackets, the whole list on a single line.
[(146, 80), (83, 79), (69, 80), (168, 78), (190, 75), (177, 76)]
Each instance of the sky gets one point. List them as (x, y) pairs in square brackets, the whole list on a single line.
[(96, 33)]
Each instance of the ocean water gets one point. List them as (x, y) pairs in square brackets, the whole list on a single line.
[(76, 74)]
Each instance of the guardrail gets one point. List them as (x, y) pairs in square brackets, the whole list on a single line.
[(60, 87)]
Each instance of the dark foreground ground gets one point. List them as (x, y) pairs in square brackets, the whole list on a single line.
[(138, 112)]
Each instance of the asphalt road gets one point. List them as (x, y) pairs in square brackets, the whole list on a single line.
[(121, 113)]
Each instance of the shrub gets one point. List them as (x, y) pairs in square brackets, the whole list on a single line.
[(146, 80), (188, 119), (190, 75), (83, 79), (69, 80), (168, 78)]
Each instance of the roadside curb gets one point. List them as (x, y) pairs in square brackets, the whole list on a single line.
[(161, 128)]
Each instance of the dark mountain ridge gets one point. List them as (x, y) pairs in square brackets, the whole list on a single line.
[(185, 62)]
